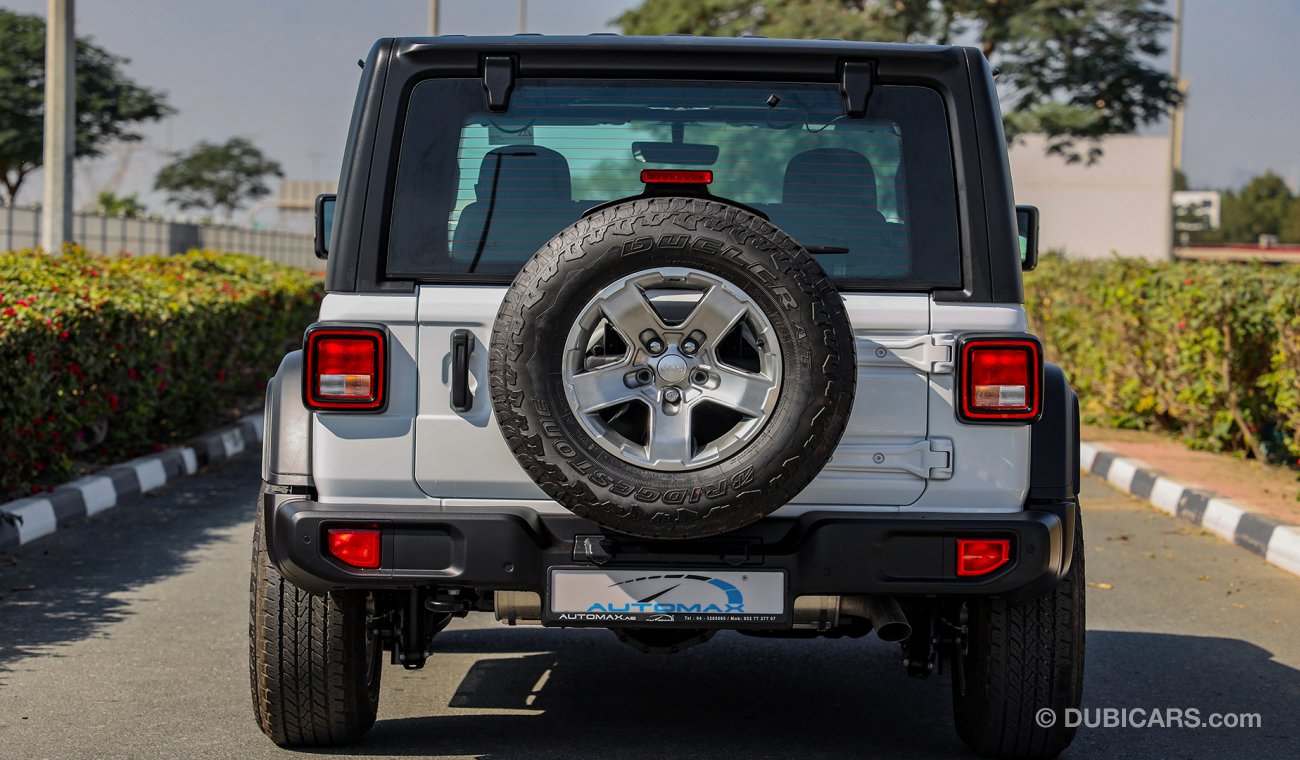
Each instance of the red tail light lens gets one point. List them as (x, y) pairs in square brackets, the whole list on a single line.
[(345, 369), (676, 177), (358, 547), (982, 556), (1000, 380)]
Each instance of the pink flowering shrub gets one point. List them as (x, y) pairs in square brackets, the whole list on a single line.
[(109, 357)]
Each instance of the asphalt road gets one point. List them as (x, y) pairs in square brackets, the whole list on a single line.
[(126, 637)]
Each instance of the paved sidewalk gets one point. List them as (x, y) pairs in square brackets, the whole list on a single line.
[(1247, 503), (1270, 490)]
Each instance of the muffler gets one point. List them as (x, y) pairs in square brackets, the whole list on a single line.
[(518, 607)]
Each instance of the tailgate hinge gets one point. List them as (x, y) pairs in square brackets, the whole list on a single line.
[(855, 87), (498, 81), (928, 353), (930, 459)]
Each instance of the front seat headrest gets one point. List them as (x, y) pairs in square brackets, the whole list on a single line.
[(523, 170), (830, 177)]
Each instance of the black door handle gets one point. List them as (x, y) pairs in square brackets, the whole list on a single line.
[(462, 345)]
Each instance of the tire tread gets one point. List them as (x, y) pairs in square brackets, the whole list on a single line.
[(306, 660), (1025, 654)]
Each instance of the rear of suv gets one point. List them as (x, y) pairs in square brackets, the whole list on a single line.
[(671, 336)]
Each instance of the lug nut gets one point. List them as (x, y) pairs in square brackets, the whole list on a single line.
[(689, 346), (655, 346), (672, 395)]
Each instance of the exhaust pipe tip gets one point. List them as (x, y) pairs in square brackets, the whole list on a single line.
[(885, 614), (894, 630)]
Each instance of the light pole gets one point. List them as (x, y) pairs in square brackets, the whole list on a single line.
[(1176, 71), (433, 17), (60, 145)]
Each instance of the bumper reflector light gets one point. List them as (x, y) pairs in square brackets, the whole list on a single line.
[(358, 547), (982, 556)]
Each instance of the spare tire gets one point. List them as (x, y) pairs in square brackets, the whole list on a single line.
[(672, 368)]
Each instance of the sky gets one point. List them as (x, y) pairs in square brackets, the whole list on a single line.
[(284, 73)]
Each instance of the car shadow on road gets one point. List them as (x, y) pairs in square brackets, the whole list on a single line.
[(582, 694), (593, 696), (64, 587)]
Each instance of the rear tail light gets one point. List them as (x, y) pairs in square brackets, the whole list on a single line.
[(676, 176), (345, 368), (1001, 380), (358, 547), (981, 556)]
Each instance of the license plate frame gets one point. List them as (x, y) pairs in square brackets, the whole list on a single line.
[(665, 597)]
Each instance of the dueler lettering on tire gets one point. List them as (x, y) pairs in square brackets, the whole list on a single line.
[(672, 367)]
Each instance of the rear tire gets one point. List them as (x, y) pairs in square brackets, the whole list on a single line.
[(314, 674), (1024, 656)]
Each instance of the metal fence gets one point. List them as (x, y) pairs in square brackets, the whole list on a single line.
[(21, 228)]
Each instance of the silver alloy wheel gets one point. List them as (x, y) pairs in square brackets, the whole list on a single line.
[(698, 375)]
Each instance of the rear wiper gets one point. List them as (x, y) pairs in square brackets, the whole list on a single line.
[(821, 249)]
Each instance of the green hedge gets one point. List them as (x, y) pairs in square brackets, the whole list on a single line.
[(1210, 351), (110, 357)]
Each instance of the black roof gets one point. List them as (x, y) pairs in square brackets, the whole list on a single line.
[(674, 53)]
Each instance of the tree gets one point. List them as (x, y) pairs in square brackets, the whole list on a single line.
[(108, 103), (1075, 70), (125, 206), (1290, 232), (212, 176), (1264, 206), (1258, 209)]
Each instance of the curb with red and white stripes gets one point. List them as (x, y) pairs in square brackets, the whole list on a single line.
[(1277, 543), (27, 519)]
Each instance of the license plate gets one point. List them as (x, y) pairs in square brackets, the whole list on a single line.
[(692, 598)]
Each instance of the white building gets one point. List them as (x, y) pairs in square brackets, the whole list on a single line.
[(1118, 205)]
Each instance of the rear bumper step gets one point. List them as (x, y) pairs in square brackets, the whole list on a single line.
[(821, 552)]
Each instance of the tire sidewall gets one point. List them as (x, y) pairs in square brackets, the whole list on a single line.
[(808, 320)]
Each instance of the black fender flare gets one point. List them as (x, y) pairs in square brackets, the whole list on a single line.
[(286, 440), (1054, 441)]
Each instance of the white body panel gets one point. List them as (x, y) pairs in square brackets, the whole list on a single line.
[(990, 462), (461, 455), (369, 457), (903, 449), (889, 409)]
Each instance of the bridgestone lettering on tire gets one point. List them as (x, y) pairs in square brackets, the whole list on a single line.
[(705, 425)]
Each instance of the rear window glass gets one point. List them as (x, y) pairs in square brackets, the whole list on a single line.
[(477, 193)]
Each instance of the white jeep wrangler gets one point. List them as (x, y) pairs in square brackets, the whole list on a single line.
[(667, 336)]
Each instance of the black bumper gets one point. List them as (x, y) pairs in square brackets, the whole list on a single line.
[(821, 552)]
